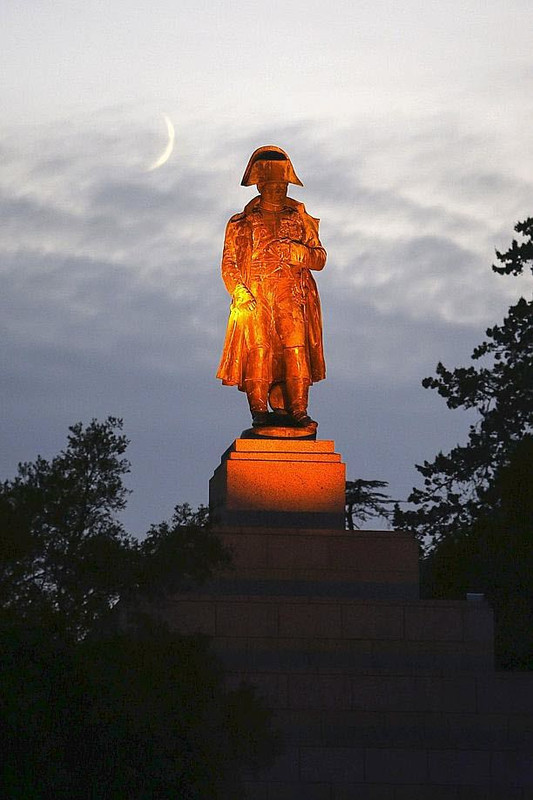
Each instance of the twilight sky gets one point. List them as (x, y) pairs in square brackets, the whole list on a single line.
[(410, 126)]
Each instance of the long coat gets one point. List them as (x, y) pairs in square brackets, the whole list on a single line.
[(236, 265)]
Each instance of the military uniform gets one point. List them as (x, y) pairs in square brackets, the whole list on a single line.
[(267, 258)]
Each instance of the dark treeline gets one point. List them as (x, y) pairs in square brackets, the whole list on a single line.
[(90, 709)]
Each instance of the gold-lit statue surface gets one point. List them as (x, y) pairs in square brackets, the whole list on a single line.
[(273, 347)]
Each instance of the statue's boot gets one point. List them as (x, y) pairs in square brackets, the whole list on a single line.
[(298, 391), (297, 382), (256, 385)]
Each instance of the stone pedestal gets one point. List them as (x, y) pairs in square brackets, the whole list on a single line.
[(279, 483), (378, 695), (322, 562)]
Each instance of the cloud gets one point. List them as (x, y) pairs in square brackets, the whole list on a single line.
[(112, 300)]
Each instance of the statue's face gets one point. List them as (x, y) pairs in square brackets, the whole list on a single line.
[(273, 191)]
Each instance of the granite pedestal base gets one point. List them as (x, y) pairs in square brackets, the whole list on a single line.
[(279, 482), (320, 562)]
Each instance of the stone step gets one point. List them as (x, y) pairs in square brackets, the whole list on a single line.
[(501, 693), (279, 632)]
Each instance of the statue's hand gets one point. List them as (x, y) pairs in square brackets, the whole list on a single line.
[(243, 298), (299, 253)]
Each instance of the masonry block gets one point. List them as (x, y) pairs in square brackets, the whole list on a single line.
[(373, 621), (426, 792), (471, 767), (300, 791), (256, 790), (320, 620), (395, 766), (510, 693), (348, 728), (471, 732), (435, 621), (317, 692), (479, 623), (319, 561), (360, 791), (331, 764), (272, 686), (513, 768), (299, 726), (279, 482), (409, 729), (246, 619), (493, 792)]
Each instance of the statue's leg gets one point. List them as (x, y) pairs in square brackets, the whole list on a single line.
[(297, 382), (290, 324), (256, 384), (258, 367)]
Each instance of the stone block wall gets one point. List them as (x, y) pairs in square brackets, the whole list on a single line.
[(374, 698), (378, 695)]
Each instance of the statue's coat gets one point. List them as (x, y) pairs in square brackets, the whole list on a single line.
[(236, 264)]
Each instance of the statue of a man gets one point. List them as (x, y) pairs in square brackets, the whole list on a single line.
[(273, 348)]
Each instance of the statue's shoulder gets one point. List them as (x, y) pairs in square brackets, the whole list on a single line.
[(247, 210), (296, 205), (236, 218), (252, 205), (300, 208)]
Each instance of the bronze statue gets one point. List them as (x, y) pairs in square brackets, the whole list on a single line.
[(273, 348)]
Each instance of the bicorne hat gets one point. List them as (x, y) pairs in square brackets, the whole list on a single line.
[(269, 163)]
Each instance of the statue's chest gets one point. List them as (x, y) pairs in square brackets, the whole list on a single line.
[(268, 227)]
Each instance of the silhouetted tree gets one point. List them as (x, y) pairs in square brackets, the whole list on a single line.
[(124, 716), (495, 556), (180, 552), (364, 502), (88, 709), (457, 485), (64, 554), (473, 513)]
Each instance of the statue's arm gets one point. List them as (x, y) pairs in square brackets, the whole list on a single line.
[(316, 257), (309, 253), (231, 273), (232, 266)]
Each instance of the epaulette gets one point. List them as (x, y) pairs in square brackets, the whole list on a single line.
[(251, 204), (296, 204), (237, 217)]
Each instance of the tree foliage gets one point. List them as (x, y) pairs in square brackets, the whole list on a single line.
[(87, 708), (144, 716), (457, 485), (495, 556), (363, 501), (179, 552), (65, 556), (474, 513)]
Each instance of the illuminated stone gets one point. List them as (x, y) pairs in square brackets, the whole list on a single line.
[(273, 348), (280, 482)]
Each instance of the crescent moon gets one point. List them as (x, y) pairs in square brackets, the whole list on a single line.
[(165, 155)]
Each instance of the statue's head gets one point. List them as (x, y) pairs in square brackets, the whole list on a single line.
[(269, 163)]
